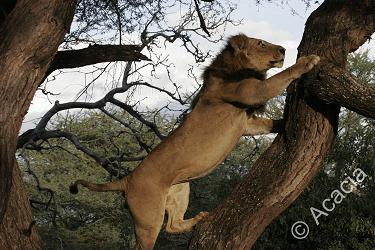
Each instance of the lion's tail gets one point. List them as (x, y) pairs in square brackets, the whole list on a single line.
[(117, 185)]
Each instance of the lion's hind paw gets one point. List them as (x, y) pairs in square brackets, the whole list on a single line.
[(201, 215)]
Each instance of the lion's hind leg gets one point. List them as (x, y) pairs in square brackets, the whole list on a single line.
[(177, 203), (146, 201)]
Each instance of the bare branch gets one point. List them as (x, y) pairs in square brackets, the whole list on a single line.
[(82, 105), (138, 116), (118, 14), (39, 187), (135, 133), (111, 163), (201, 19), (126, 74), (178, 99)]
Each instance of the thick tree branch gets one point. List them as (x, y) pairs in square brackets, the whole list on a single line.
[(82, 105), (100, 104), (95, 54), (337, 85)]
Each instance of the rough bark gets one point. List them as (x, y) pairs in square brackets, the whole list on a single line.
[(95, 54), (18, 230), (294, 158), (30, 36), (343, 88)]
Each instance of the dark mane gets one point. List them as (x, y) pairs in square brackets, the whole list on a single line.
[(234, 76), (224, 67)]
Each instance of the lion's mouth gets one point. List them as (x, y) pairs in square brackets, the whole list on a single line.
[(277, 61)]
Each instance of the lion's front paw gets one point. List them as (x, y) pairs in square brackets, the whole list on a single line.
[(306, 63)]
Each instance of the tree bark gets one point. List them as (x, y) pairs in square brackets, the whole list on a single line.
[(342, 88), (30, 36), (18, 230), (294, 158)]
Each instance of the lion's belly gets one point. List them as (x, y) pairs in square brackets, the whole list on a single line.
[(198, 145), (206, 154)]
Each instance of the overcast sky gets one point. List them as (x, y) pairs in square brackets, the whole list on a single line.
[(276, 23)]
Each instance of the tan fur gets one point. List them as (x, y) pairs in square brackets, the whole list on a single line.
[(234, 88)]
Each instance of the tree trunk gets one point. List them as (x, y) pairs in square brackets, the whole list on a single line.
[(30, 36), (294, 158), (17, 228)]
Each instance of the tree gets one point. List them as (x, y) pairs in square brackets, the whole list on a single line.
[(25, 54), (312, 110)]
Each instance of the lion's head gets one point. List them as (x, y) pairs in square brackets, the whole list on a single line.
[(243, 57), (256, 54), (244, 53)]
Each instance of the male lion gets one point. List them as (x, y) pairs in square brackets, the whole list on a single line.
[(234, 87)]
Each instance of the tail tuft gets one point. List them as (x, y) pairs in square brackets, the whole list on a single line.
[(73, 189)]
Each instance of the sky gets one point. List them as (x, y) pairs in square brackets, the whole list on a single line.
[(275, 22)]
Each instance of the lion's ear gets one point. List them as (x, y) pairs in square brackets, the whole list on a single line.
[(238, 42)]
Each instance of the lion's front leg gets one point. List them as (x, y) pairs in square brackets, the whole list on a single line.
[(258, 125), (303, 65), (276, 84), (255, 92)]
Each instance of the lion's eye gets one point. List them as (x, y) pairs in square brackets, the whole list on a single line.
[(262, 43)]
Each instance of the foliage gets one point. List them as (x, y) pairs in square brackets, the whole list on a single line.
[(362, 66)]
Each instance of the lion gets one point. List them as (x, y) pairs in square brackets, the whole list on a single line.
[(234, 88)]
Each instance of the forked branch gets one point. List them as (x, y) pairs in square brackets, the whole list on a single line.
[(337, 85)]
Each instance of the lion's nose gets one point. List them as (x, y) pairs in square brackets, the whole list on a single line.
[(282, 50)]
